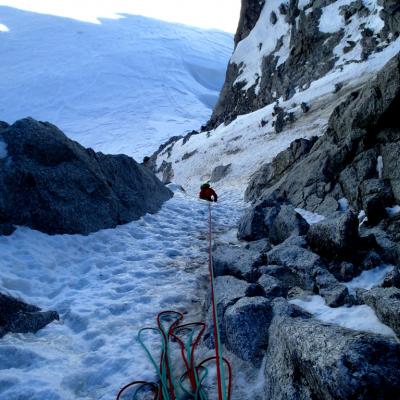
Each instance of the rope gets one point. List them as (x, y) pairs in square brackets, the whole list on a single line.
[(217, 338), (188, 336)]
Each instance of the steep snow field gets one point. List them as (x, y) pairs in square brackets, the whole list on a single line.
[(122, 86), (106, 286)]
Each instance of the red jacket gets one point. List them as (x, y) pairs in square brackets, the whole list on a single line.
[(208, 194)]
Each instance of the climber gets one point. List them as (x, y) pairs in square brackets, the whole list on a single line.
[(207, 193)]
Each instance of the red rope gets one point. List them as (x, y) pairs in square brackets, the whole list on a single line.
[(214, 308)]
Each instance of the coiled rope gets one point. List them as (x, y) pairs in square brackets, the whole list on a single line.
[(190, 384)]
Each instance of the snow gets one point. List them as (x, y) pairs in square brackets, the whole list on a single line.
[(123, 86), (359, 318), (4, 28), (343, 204), (392, 211), (3, 149), (331, 21), (248, 51), (310, 217), (368, 279), (379, 166), (106, 286)]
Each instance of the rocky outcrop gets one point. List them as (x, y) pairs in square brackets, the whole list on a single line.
[(51, 183), (386, 303), (19, 317), (343, 162), (307, 359), (303, 53)]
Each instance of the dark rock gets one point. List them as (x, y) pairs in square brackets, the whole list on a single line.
[(305, 107), (255, 290), (272, 286), (308, 359), (300, 261), (334, 237), (246, 326), (359, 130), (334, 293), (254, 223), (284, 275), (239, 261), (392, 279), (273, 220), (287, 223), (6, 229), (19, 317), (229, 290), (386, 303), (65, 188), (376, 195), (338, 87), (273, 18), (188, 155), (271, 173), (249, 14), (3, 125), (167, 172), (220, 172)]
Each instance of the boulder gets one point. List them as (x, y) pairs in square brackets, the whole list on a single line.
[(336, 236), (228, 291), (376, 194), (334, 293), (300, 261), (287, 223), (51, 183), (19, 317), (273, 219), (246, 327), (386, 303), (284, 275), (239, 261), (273, 287), (308, 359), (392, 279)]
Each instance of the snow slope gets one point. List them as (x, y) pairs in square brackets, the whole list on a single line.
[(122, 86), (106, 286)]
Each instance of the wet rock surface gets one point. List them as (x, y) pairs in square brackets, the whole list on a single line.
[(51, 183), (19, 317)]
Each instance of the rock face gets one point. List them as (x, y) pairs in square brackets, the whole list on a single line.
[(307, 359), (54, 185), (19, 317), (343, 162), (303, 48)]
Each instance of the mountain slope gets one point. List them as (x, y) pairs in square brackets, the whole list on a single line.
[(265, 113), (120, 86)]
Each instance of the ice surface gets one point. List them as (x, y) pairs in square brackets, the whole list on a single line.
[(122, 86), (360, 318), (105, 286), (310, 217), (369, 279), (379, 166)]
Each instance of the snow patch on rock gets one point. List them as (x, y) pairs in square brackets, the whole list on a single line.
[(360, 318)]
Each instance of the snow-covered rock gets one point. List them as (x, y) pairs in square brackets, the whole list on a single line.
[(50, 183)]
